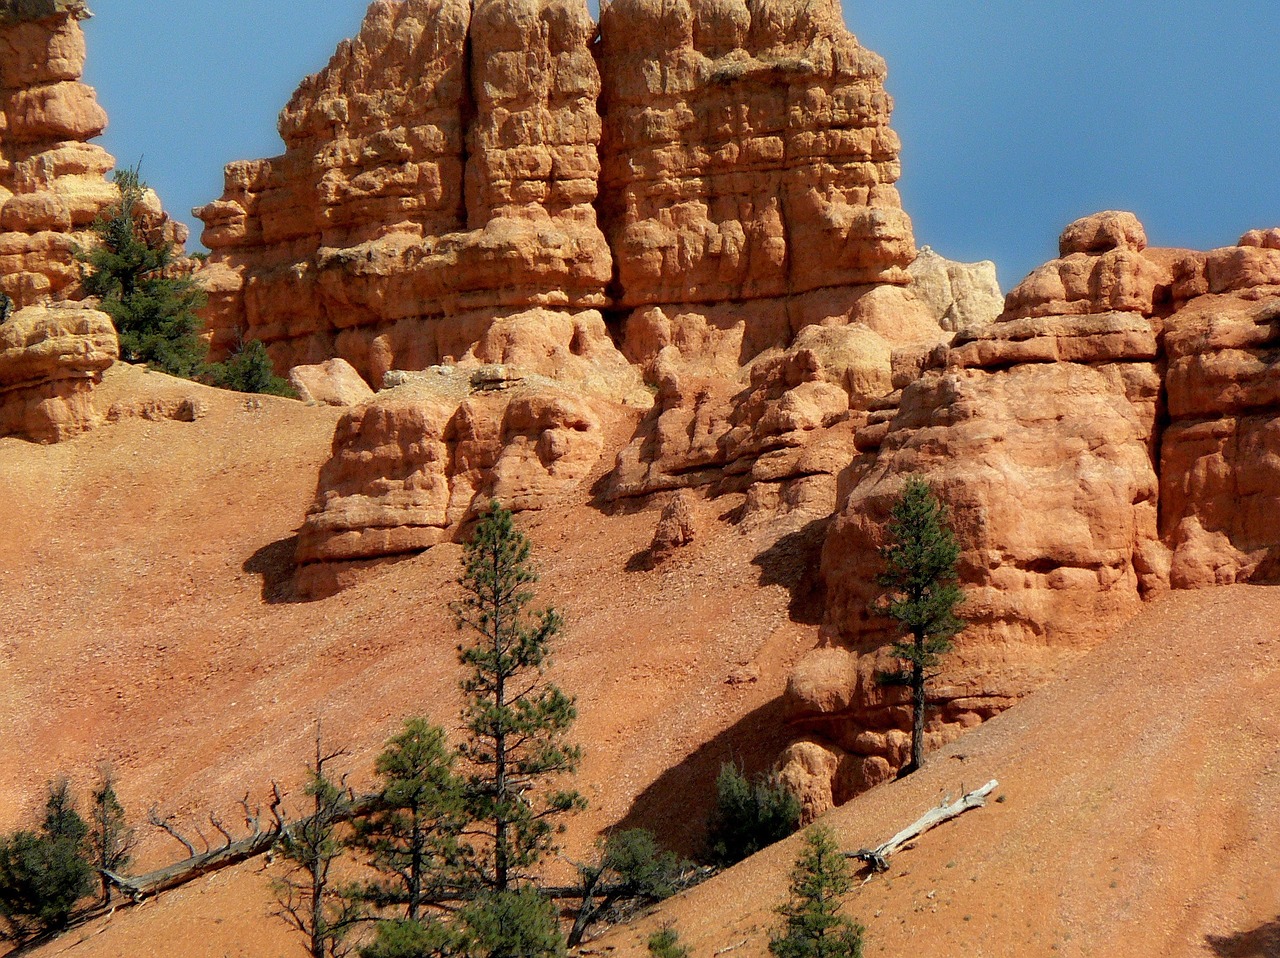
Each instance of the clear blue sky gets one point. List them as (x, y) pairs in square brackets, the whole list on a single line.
[(1016, 116)]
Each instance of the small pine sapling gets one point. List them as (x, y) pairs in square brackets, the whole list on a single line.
[(812, 924)]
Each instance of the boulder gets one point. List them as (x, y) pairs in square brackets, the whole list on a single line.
[(410, 467), (334, 383), (677, 528), (50, 359)]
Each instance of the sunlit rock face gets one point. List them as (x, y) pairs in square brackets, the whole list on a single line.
[(1114, 433)]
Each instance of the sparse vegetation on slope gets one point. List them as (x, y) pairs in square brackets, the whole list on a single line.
[(812, 924), (749, 815)]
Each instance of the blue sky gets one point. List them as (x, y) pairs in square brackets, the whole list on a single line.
[(1016, 116)]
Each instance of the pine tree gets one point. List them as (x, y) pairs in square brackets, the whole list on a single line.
[(630, 868), (411, 835), (248, 370), (517, 721), (131, 270), (813, 926), (921, 593), (43, 875), (111, 837)]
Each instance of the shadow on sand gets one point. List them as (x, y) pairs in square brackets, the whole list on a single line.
[(1261, 942), (753, 742), (275, 563), (794, 562)]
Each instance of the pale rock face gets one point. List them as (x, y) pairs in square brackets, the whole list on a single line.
[(410, 467), (50, 359), (965, 296), (335, 383)]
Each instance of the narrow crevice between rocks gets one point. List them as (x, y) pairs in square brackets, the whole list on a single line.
[(468, 112)]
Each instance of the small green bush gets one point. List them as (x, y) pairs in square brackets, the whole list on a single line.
[(248, 370), (511, 924), (665, 943), (412, 939), (749, 816)]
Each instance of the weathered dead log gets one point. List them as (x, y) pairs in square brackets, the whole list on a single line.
[(878, 857), (180, 873)]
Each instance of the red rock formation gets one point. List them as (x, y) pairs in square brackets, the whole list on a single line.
[(1043, 433), (50, 359), (747, 154), (444, 171), (52, 187), (51, 179), (1220, 456), (408, 469), (439, 173)]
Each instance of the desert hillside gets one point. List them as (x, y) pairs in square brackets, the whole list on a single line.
[(647, 282), (149, 623), (1138, 813)]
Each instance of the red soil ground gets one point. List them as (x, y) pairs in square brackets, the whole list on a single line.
[(145, 621)]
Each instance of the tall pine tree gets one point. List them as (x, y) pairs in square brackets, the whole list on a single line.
[(517, 721), (130, 269), (921, 594)]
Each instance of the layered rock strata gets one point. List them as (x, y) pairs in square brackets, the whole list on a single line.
[(451, 166), (439, 173), (52, 183), (1109, 436)]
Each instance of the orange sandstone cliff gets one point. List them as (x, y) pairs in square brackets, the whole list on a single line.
[(1110, 436), (667, 253)]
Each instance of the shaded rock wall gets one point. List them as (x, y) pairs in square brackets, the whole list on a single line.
[(1112, 434)]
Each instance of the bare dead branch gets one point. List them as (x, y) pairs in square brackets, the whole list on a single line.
[(216, 822), (166, 826)]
